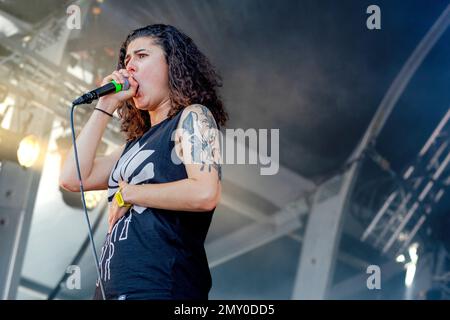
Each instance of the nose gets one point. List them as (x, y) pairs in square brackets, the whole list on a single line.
[(131, 68)]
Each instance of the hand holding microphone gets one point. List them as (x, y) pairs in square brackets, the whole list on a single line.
[(120, 82)]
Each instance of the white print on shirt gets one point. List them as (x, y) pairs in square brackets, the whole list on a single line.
[(113, 183), (108, 247), (126, 167), (124, 233)]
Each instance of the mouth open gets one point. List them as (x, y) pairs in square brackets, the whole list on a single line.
[(138, 93)]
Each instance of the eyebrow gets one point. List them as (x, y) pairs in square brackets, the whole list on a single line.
[(135, 52)]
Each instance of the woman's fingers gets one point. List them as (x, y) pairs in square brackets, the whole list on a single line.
[(124, 73), (118, 77), (110, 222), (107, 79), (115, 213), (111, 214), (133, 83), (114, 100)]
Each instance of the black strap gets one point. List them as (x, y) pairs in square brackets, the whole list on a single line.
[(109, 114)]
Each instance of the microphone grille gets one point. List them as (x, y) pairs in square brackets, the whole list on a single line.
[(126, 85)]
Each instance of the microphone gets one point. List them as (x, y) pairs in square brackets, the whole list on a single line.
[(108, 88)]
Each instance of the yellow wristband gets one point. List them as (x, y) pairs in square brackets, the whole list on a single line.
[(119, 199)]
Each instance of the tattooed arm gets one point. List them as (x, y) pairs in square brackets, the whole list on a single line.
[(197, 144), (197, 141)]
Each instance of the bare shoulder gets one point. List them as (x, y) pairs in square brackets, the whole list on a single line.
[(198, 138), (196, 115)]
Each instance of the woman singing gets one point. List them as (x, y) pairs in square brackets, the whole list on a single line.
[(164, 183)]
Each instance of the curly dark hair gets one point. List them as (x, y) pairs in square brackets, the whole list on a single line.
[(192, 78)]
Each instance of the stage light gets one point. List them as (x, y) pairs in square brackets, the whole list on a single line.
[(92, 199), (410, 273), (26, 39), (28, 151), (411, 266), (73, 199), (96, 11), (18, 148)]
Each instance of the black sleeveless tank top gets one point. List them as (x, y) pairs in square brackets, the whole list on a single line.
[(153, 253)]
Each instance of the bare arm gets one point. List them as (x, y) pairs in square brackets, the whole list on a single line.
[(199, 148), (98, 177), (95, 171), (189, 194)]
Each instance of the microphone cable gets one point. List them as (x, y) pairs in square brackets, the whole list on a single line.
[(91, 238)]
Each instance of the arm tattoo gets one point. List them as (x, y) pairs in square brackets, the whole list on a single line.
[(203, 136)]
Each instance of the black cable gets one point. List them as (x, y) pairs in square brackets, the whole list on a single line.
[(94, 251)]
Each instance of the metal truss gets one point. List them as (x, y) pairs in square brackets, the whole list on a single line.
[(32, 74), (423, 183), (316, 237), (255, 235)]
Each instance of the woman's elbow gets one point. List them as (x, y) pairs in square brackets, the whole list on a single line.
[(209, 199), (69, 186)]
